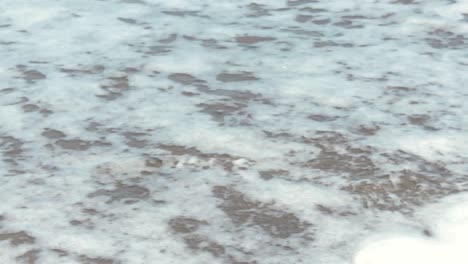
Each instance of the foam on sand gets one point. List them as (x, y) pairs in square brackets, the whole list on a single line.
[(444, 241)]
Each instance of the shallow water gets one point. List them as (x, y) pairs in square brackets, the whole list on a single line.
[(307, 131)]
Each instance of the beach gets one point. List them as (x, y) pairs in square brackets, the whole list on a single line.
[(237, 132)]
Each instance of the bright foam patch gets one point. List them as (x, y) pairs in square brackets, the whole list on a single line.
[(448, 222)]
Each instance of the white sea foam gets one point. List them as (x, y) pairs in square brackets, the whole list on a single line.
[(344, 142), (445, 240)]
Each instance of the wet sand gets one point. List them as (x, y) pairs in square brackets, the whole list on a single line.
[(147, 131)]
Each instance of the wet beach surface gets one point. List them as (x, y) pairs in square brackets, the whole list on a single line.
[(238, 132)]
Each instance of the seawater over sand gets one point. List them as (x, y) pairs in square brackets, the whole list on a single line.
[(233, 132)]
